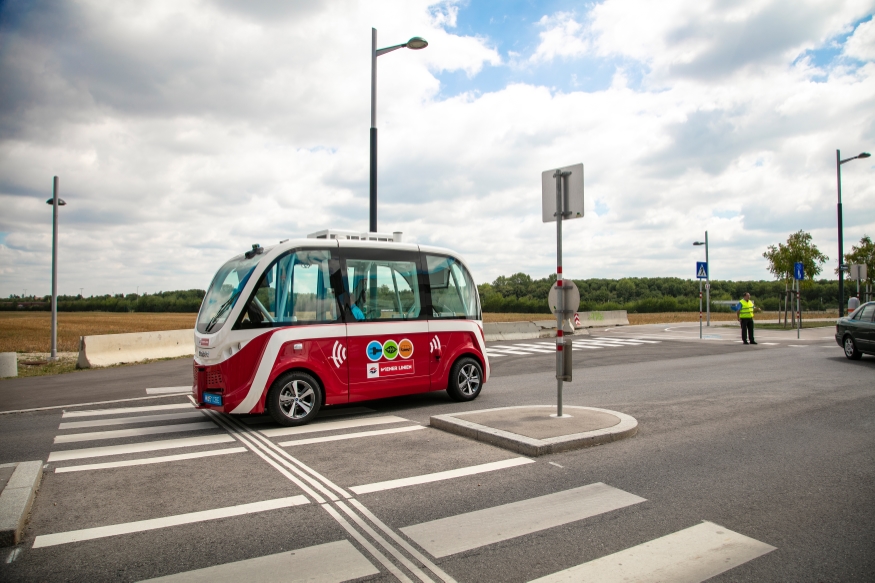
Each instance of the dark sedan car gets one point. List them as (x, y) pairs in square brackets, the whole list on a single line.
[(856, 333)]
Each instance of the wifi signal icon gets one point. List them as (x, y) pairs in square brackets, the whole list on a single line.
[(434, 345), (338, 353)]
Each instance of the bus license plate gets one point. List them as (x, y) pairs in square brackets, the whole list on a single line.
[(212, 399)]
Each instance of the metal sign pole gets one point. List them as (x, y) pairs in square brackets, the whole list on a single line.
[(54, 350), (707, 281), (798, 310), (700, 309), (560, 300)]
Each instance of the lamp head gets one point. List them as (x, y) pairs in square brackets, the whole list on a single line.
[(60, 201), (416, 43), (698, 243), (864, 155)]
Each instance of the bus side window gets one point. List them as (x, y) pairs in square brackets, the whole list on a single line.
[(383, 289), (453, 294)]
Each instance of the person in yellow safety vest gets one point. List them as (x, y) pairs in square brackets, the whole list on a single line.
[(745, 318)]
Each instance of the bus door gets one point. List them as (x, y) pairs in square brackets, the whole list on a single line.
[(296, 300), (452, 297), (386, 328)]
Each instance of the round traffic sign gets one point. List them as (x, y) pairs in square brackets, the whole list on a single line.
[(571, 297)]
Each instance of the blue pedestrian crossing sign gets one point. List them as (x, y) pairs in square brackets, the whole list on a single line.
[(798, 271), (701, 270)]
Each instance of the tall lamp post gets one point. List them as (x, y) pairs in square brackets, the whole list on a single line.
[(414, 43), (55, 201), (839, 163), (707, 277)]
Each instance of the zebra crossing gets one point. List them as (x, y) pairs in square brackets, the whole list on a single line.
[(577, 344), (408, 552)]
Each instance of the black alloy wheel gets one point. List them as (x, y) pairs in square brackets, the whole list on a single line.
[(294, 399), (466, 379)]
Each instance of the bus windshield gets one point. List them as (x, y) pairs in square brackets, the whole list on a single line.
[(223, 293)]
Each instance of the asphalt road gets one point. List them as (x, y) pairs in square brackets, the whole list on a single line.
[(771, 442)]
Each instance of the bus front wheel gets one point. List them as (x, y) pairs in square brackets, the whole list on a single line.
[(294, 399)]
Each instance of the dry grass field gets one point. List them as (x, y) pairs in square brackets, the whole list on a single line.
[(31, 331)]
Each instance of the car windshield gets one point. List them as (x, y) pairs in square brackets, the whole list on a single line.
[(223, 293)]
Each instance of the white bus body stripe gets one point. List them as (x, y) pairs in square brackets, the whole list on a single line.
[(284, 335), (268, 358), (473, 326)]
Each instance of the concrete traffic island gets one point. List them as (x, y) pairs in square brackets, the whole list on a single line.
[(19, 483), (532, 431)]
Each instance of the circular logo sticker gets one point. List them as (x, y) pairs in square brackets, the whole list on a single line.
[(405, 348), (390, 349), (374, 350)]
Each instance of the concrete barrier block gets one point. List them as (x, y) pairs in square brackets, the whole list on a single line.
[(8, 364), (510, 330), (109, 349)]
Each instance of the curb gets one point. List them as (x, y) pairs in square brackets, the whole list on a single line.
[(16, 500), (627, 427)]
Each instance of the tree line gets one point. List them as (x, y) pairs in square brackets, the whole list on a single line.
[(522, 294), (169, 301)]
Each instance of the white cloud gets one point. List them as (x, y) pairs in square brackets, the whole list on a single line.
[(184, 133), (560, 37), (861, 45)]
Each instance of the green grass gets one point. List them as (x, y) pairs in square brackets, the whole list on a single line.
[(770, 326)]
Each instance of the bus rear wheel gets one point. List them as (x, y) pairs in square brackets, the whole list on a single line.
[(466, 379), (294, 399)]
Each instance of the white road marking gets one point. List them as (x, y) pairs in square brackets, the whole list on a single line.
[(693, 554), (327, 563), (168, 390), (150, 460), (438, 476), (463, 532), (350, 436), (76, 454), (175, 428), (123, 410), (798, 345), (333, 425), (60, 538), (127, 420), (555, 464)]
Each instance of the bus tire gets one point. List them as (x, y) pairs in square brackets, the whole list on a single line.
[(294, 398), (466, 379)]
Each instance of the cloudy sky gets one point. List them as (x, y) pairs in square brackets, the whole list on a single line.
[(183, 132)]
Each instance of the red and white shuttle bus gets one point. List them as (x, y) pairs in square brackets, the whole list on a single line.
[(330, 319)]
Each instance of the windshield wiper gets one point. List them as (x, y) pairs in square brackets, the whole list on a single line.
[(219, 312)]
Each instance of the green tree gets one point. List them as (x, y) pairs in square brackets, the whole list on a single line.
[(864, 253), (799, 248)]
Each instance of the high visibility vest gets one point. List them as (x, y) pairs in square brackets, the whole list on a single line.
[(746, 310)]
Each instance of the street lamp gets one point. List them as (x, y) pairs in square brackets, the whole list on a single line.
[(55, 201), (414, 43), (839, 163), (707, 277)]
